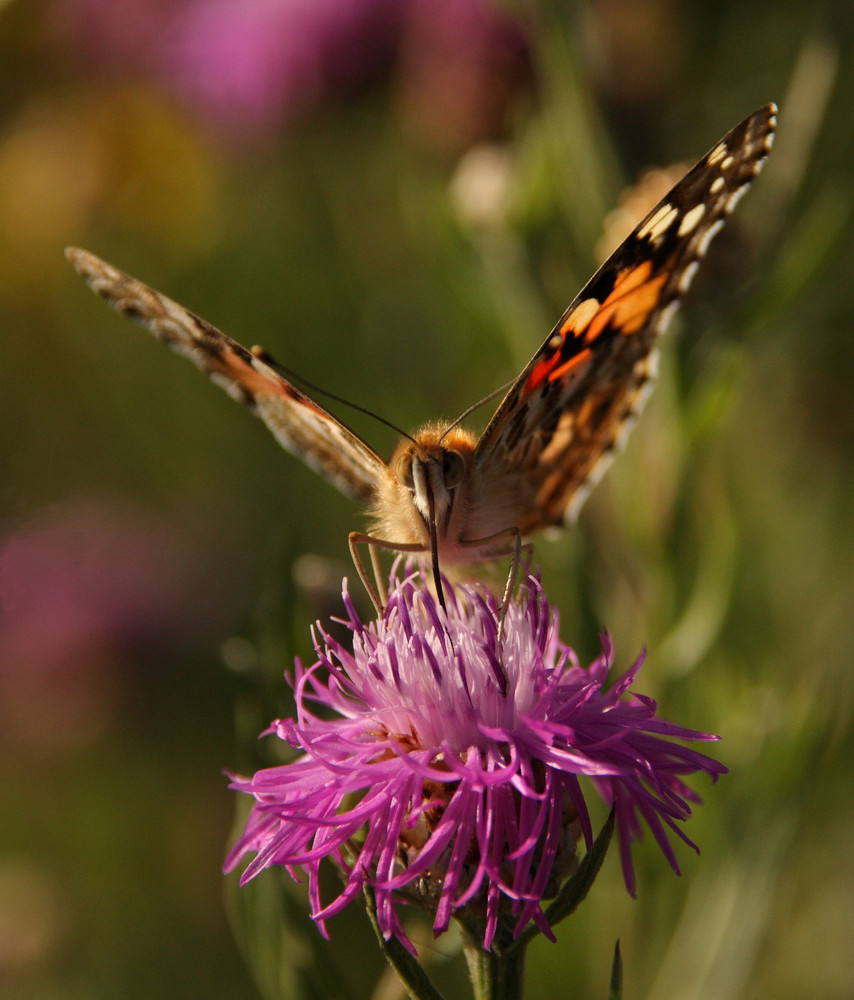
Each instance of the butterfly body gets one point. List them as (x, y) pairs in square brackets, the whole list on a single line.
[(445, 491), (434, 479)]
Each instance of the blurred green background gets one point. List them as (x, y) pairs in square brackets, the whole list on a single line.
[(398, 198)]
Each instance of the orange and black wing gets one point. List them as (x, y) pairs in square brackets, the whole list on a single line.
[(574, 403), (298, 423)]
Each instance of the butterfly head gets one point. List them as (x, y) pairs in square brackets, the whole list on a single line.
[(433, 467)]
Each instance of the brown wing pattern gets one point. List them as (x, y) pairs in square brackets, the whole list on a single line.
[(298, 423), (574, 403)]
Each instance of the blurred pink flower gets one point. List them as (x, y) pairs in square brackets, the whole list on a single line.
[(82, 590), (460, 64), (120, 34), (242, 64), (249, 66)]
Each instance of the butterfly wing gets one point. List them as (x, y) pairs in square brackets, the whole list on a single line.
[(559, 425), (298, 423)]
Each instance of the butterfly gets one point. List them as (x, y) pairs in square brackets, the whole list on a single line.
[(446, 492)]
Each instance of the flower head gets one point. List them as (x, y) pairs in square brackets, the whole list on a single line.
[(450, 772)]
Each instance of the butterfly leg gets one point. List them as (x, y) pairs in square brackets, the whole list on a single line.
[(515, 552), (376, 589), (510, 586), (382, 593)]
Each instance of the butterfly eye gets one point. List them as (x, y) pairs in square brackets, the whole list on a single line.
[(453, 468), (404, 471)]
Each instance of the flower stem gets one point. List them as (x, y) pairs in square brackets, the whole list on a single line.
[(415, 980), (494, 977)]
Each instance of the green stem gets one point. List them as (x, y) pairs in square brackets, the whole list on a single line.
[(415, 980), (494, 977)]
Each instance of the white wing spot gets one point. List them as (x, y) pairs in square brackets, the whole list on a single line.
[(736, 197), (666, 316), (579, 319), (708, 236), (652, 365), (687, 275), (716, 185), (726, 163), (658, 224), (716, 154), (691, 219)]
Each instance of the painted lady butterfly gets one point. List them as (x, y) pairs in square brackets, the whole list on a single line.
[(445, 491)]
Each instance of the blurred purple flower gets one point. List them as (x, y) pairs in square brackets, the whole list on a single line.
[(120, 34), (242, 64), (450, 774), (81, 591), (459, 66), (252, 65), (247, 63)]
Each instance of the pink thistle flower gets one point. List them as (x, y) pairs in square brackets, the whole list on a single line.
[(449, 775)]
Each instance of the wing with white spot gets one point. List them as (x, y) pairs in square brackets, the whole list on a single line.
[(561, 421), (298, 423)]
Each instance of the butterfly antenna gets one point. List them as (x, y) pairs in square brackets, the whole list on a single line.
[(262, 355), (469, 410)]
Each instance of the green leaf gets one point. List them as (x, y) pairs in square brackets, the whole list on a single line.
[(615, 991), (289, 958)]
